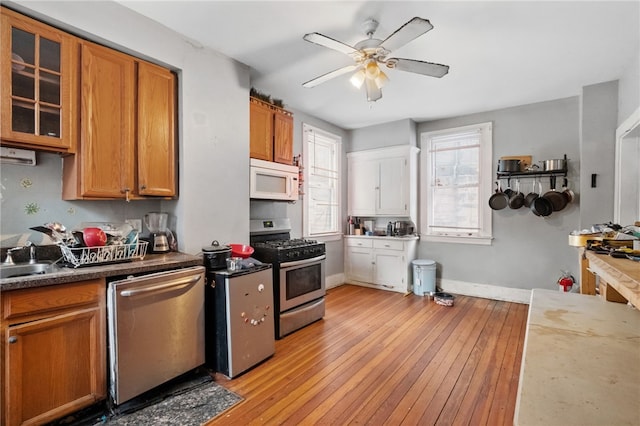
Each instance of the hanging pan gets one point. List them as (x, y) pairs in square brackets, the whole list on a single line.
[(499, 199), (516, 200), (568, 194), (528, 200), (541, 206), (557, 200)]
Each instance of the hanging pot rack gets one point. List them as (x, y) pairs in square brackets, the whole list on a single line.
[(533, 174)]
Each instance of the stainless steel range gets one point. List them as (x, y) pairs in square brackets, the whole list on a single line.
[(298, 273)]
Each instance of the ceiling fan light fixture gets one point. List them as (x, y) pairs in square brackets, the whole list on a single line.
[(381, 80), (371, 69), (357, 79)]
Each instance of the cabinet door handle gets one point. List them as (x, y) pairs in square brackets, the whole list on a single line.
[(143, 187), (126, 194), (13, 339)]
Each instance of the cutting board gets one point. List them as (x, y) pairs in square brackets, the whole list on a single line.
[(525, 160)]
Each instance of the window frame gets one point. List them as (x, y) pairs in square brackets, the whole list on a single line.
[(485, 235), (337, 233)]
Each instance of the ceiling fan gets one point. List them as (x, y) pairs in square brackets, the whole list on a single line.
[(370, 53)]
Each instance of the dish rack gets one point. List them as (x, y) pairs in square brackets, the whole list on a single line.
[(84, 256)]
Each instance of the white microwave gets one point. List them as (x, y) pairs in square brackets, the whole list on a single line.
[(273, 181)]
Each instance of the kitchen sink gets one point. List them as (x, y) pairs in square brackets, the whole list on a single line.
[(26, 269)]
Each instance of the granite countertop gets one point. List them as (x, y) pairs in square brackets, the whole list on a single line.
[(150, 263), (581, 362)]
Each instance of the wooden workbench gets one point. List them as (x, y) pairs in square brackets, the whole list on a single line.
[(623, 275), (581, 362)]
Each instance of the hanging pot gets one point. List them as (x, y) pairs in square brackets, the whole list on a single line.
[(555, 165), (557, 200), (568, 194), (508, 165), (499, 199)]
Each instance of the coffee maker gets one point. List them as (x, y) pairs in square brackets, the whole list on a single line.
[(157, 224)]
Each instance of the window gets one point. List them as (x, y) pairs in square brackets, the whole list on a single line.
[(455, 182), (322, 182)]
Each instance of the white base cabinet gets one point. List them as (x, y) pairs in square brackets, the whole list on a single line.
[(380, 262)]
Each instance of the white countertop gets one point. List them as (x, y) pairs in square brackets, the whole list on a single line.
[(581, 362), (385, 237)]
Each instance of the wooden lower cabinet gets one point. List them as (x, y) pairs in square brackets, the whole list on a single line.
[(53, 351)]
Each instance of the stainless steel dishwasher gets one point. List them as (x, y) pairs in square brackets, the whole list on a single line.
[(156, 329)]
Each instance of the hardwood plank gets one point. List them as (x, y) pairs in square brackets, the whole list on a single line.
[(396, 369), (395, 406), (510, 370), (385, 358), (441, 381)]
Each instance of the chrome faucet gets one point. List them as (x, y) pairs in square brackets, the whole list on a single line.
[(9, 259), (32, 252)]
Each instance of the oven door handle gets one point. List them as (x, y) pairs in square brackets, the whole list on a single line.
[(285, 265), (169, 284)]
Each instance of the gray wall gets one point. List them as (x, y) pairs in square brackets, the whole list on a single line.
[(527, 251), (598, 124), (401, 132), (213, 131)]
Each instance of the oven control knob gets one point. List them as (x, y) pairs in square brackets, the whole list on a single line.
[(261, 287)]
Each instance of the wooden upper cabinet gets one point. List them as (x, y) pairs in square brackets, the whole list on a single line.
[(38, 95), (283, 137), (104, 164), (127, 146), (261, 131), (156, 131), (271, 132)]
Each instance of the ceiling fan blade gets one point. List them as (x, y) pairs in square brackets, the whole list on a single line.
[(325, 41), (373, 91), (329, 75), (419, 67), (409, 31)]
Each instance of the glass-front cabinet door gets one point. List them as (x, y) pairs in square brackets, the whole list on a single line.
[(39, 84)]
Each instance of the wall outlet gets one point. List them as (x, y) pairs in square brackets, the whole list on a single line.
[(136, 223)]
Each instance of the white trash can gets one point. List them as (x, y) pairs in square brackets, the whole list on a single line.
[(424, 277)]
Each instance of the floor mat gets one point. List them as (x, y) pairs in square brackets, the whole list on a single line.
[(194, 405)]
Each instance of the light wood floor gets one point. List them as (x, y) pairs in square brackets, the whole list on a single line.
[(379, 357)]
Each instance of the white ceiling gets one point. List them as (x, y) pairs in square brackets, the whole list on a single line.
[(501, 54)]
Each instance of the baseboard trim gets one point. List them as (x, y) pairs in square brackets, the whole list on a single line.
[(335, 280), (486, 291)]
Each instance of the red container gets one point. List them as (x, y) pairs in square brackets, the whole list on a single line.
[(241, 250)]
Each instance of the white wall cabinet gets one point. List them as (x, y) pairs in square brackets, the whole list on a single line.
[(380, 262), (383, 182)]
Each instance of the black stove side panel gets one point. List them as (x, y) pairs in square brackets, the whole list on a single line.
[(216, 357)]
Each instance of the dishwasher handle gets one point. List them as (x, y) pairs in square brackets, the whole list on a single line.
[(163, 286)]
